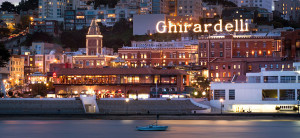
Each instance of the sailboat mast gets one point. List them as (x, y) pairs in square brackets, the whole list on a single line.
[(156, 101)]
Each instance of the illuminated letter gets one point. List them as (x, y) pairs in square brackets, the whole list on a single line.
[(180, 28), (170, 27), (220, 25), (197, 28), (236, 25), (206, 26), (229, 27), (164, 27), (242, 25), (186, 26), (247, 26)]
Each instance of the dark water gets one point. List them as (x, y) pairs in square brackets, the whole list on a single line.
[(126, 129)]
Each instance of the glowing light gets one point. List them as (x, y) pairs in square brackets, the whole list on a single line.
[(203, 93), (195, 93), (126, 100), (238, 25), (163, 26)]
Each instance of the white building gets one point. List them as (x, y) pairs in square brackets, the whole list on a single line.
[(267, 91), (52, 9), (267, 4), (146, 24)]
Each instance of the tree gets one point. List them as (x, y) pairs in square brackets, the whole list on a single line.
[(39, 89), (25, 20), (38, 36), (4, 32), (27, 5), (74, 39), (7, 6), (201, 84), (5, 55)]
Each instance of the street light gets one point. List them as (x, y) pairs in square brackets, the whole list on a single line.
[(203, 93), (221, 101), (127, 100), (298, 106), (195, 93)]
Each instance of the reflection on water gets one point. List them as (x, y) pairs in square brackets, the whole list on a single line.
[(126, 128)]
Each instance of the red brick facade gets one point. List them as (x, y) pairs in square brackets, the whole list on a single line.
[(228, 57), (139, 57)]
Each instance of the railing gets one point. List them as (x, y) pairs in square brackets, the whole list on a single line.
[(115, 84)]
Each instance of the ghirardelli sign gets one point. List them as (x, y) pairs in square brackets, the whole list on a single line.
[(170, 27)]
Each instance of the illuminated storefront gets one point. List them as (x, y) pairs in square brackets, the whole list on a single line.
[(118, 82)]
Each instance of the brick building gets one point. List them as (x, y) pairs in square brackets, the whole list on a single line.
[(230, 57), (291, 44), (153, 54)]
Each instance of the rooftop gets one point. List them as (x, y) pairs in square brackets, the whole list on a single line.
[(120, 71)]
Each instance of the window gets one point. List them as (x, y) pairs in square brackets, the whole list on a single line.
[(238, 44), (250, 67), (271, 66), (270, 79), (288, 94), (269, 95), (253, 79), (288, 79), (264, 44), (221, 45), (224, 66), (219, 94), (247, 44), (212, 45), (231, 94), (217, 67), (221, 54)]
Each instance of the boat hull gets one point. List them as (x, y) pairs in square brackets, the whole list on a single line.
[(152, 128)]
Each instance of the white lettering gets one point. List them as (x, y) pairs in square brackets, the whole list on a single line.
[(197, 28), (163, 26), (237, 26), (229, 27), (170, 27), (206, 26), (220, 25), (186, 26)]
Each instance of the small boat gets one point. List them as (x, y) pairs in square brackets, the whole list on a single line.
[(152, 128)]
